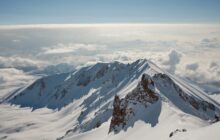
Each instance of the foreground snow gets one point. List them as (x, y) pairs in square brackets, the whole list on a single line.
[(21, 123), (169, 120)]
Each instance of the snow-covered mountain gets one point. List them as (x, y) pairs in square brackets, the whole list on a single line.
[(115, 100)]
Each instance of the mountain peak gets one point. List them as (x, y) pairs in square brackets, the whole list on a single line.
[(124, 93)]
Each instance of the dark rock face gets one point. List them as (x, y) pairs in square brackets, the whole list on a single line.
[(143, 93), (42, 87), (176, 131), (118, 115), (217, 119), (122, 108), (101, 72), (83, 80)]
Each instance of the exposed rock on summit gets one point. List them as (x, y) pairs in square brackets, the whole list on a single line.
[(124, 109)]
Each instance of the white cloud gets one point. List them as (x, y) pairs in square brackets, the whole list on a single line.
[(16, 40), (193, 66), (174, 58), (210, 43), (25, 64), (68, 48), (37, 46), (213, 66), (12, 76), (55, 69)]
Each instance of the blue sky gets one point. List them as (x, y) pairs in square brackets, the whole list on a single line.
[(109, 11)]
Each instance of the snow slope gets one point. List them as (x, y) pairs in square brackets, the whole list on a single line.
[(79, 105), (169, 120)]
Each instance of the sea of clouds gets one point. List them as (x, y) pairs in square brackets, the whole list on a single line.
[(191, 51)]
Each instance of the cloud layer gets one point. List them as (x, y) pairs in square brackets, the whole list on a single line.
[(188, 50)]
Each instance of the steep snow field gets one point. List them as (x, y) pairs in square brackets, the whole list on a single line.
[(169, 120), (79, 106)]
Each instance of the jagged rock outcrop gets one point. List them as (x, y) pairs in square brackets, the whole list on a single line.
[(124, 109), (144, 95), (176, 131), (118, 115)]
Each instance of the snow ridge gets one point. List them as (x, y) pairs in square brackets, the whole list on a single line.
[(121, 94)]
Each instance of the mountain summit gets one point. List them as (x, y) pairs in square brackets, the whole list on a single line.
[(120, 95)]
